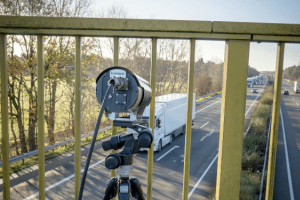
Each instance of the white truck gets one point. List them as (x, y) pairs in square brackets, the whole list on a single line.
[(297, 87), (250, 82), (170, 118)]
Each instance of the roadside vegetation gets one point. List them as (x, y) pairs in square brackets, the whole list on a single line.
[(254, 148), (208, 96), (292, 73)]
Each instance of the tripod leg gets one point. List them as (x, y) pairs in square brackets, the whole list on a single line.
[(136, 189), (111, 189)]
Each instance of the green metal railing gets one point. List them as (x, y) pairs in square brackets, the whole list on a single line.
[(237, 36)]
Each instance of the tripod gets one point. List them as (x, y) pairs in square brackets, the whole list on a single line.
[(123, 186), (122, 161)]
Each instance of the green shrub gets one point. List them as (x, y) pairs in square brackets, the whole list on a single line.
[(259, 127), (254, 143), (267, 98), (253, 147), (263, 111), (249, 187)]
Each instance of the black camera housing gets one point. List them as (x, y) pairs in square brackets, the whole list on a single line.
[(130, 94)]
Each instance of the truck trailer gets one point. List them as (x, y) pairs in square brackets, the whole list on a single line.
[(170, 118), (297, 87)]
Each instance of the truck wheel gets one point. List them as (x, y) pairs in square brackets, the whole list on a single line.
[(183, 131), (159, 146)]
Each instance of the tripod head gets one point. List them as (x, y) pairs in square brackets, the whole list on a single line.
[(131, 145)]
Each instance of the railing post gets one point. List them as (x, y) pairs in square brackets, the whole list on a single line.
[(77, 114), (151, 117), (275, 122), (232, 119), (4, 117), (116, 63), (41, 143), (188, 135)]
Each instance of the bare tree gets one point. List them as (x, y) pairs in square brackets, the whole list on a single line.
[(28, 61)]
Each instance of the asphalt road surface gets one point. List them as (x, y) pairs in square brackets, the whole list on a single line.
[(168, 164), (287, 176)]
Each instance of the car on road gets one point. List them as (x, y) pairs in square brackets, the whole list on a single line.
[(286, 92), (254, 90)]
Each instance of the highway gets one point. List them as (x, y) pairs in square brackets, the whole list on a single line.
[(168, 164), (287, 177)]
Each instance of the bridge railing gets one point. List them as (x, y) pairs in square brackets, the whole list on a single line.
[(237, 36)]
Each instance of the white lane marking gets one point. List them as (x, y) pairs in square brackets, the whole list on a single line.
[(158, 159), (204, 124), (255, 100), (287, 159), (221, 99), (200, 179), (208, 106), (207, 135), (63, 180)]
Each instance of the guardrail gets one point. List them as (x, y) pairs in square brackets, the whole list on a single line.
[(53, 146)]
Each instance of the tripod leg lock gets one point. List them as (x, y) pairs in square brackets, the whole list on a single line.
[(136, 189), (111, 189)]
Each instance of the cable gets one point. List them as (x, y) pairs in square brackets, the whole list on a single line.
[(92, 144)]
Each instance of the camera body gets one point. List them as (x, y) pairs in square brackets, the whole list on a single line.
[(131, 93)]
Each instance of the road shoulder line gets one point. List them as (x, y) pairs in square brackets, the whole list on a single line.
[(287, 159)]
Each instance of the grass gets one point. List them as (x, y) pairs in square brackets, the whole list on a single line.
[(28, 162), (253, 148), (207, 97)]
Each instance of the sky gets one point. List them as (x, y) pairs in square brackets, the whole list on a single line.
[(262, 55)]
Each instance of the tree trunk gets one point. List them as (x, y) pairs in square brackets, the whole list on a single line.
[(21, 133), (32, 115), (72, 114), (15, 97), (12, 128), (51, 117)]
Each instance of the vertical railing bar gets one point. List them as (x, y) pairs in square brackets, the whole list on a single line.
[(116, 63), (116, 51), (188, 136), (275, 122), (152, 117), (232, 119), (114, 128), (41, 143), (4, 116), (77, 114)]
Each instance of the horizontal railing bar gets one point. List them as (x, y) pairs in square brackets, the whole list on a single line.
[(256, 28), (50, 147), (147, 25), (104, 24), (136, 34), (271, 38)]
